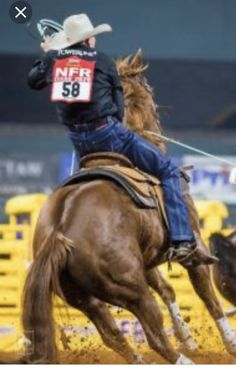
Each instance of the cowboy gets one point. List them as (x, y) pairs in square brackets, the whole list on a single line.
[(90, 103)]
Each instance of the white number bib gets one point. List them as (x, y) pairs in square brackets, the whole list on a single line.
[(72, 80)]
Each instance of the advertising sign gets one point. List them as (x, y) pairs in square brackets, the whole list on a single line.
[(210, 179), (23, 174)]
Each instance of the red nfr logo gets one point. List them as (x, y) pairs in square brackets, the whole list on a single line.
[(72, 80), (73, 73)]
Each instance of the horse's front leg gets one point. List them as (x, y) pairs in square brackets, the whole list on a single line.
[(167, 294), (201, 281)]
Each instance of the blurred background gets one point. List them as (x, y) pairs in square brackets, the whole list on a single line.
[(191, 51)]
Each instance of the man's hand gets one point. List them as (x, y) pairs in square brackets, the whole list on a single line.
[(45, 45)]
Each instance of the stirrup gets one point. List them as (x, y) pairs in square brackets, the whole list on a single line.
[(200, 259), (193, 259), (173, 256)]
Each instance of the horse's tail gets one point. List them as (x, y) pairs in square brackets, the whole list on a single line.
[(41, 282)]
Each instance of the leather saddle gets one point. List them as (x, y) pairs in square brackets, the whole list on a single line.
[(143, 189)]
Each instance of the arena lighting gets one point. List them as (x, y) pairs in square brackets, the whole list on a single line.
[(232, 175)]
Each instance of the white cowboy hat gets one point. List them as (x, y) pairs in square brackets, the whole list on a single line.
[(76, 28)]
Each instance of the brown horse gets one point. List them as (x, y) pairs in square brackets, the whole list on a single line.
[(93, 246)]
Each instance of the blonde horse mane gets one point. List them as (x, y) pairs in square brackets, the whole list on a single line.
[(141, 111)]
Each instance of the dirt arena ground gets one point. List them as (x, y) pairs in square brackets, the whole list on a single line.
[(102, 356), (107, 357), (82, 345)]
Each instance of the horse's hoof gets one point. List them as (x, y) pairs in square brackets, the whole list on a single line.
[(231, 347), (230, 342), (139, 359), (182, 359), (188, 345)]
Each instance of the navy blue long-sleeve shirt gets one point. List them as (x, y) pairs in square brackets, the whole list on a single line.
[(107, 94)]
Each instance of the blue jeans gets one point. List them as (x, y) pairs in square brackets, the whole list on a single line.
[(115, 137)]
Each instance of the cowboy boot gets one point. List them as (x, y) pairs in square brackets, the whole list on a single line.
[(190, 254)]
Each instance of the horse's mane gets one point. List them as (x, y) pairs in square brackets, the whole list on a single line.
[(141, 111)]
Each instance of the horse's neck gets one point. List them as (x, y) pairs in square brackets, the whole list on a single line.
[(153, 126), (151, 118)]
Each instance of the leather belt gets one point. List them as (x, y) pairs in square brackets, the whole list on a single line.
[(89, 127)]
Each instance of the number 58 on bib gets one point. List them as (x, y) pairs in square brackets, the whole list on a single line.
[(72, 80)]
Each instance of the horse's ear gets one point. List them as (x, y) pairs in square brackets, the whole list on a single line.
[(137, 60), (123, 65)]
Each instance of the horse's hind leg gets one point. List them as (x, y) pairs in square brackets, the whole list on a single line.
[(130, 291), (145, 308), (201, 281), (167, 294), (112, 337), (101, 317)]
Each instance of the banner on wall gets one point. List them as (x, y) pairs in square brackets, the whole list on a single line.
[(23, 174), (43, 173), (210, 179)]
